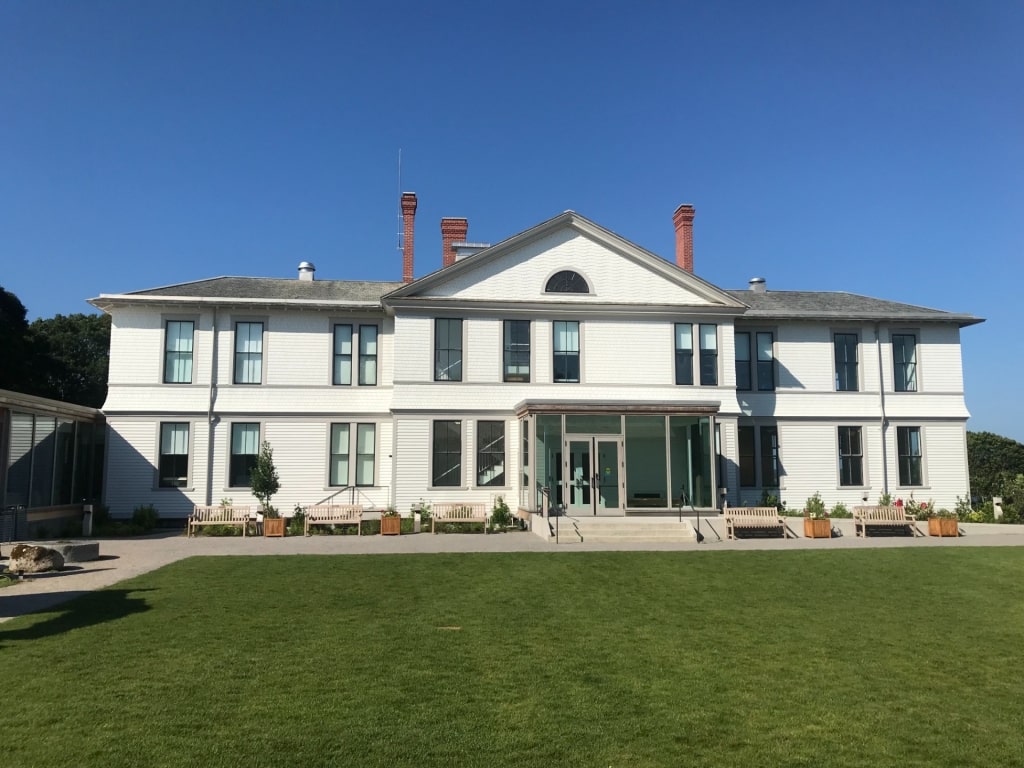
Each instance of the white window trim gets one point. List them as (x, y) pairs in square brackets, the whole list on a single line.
[(190, 483)]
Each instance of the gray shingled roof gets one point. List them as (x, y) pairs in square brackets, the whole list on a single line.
[(272, 288), (839, 305)]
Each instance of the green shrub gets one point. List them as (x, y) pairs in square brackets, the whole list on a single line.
[(501, 516), (297, 523), (770, 499), (220, 530), (815, 507), (840, 511), (145, 517)]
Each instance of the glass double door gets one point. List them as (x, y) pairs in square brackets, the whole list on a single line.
[(592, 475)]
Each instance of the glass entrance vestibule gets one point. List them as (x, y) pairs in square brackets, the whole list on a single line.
[(600, 461)]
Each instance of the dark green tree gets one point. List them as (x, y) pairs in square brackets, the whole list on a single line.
[(993, 461), (264, 480), (70, 358), (15, 370)]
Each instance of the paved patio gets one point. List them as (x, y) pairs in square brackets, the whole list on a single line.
[(124, 558)]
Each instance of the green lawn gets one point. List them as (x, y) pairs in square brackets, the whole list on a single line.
[(903, 657)]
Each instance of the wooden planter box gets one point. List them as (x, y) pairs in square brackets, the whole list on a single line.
[(817, 529), (273, 526), (943, 526), (390, 526)]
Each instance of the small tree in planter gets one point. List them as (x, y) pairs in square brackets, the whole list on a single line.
[(816, 522), (265, 483)]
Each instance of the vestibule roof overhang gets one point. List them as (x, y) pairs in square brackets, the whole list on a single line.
[(629, 407)]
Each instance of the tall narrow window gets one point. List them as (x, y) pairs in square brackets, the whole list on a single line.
[(340, 451), (245, 446), (178, 340), (173, 465), (684, 353), (367, 355), (490, 453), (743, 381), (846, 362), (904, 361), (366, 441), (908, 446), (769, 457), (446, 456), (851, 458), (709, 355), (765, 361), (748, 458), (517, 350), (447, 349), (342, 355), (566, 362), (248, 353)]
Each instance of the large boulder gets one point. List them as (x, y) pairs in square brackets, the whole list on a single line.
[(30, 558)]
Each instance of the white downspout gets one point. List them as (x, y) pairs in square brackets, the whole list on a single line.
[(210, 418), (883, 421)]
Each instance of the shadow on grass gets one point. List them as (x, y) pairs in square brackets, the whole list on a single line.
[(78, 609)]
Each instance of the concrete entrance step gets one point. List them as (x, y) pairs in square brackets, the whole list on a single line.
[(622, 530)]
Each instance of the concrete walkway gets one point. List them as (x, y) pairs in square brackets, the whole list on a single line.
[(124, 558)]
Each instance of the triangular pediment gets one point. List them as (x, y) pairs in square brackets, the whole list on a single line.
[(518, 270)]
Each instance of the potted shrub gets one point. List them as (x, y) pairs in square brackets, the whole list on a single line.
[(942, 522), (390, 522), (265, 483), (816, 522)]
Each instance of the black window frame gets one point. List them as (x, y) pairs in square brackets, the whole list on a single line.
[(845, 345), (708, 357), (490, 453), (171, 356), (851, 456), (516, 344), (909, 462), (683, 357), (241, 464), (565, 362), (448, 359), (241, 358), (365, 357), (566, 281), (339, 358), (173, 465), (744, 381), (901, 379), (446, 454)]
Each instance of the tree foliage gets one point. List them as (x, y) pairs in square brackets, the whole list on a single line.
[(64, 357), (264, 480), (994, 462)]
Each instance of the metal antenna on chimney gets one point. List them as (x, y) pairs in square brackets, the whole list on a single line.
[(399, 198)]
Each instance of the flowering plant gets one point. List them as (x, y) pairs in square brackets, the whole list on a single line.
[(389, 512), (815, 508), (924, 509)]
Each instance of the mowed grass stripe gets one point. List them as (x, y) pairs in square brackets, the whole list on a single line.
[(844, 658)]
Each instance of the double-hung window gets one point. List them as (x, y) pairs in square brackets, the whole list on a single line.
[(743, 379), (173, 464), (446, 454), (178, 340), (248, 353), (908, 447), (245, 447), (845, 345), (447, 349), (851, 456), (759, 456), (490, 453), (344, 341), (516, 357), (566, 361), (708, 355), (904, 362), (340, 468), (367, 355), (765, 361), (684, 353)]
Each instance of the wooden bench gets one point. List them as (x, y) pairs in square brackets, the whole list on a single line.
[(882, 516), (240, 516), (334, 514), (757, 518), (458, 513)]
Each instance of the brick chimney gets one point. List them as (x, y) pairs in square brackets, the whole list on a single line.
[(408, 222), (683, 219), (452, 231)]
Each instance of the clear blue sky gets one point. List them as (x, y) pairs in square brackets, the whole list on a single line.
[(873, 147)]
